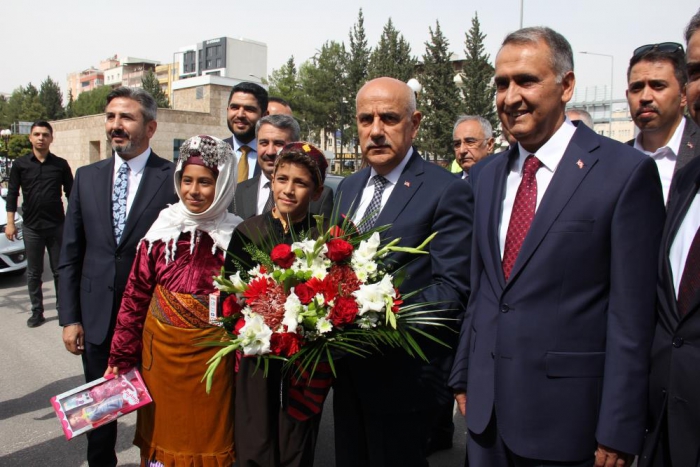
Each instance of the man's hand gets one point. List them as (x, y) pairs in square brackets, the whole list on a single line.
[(461, 398), (609, 457), (73, 338), (11, 232)]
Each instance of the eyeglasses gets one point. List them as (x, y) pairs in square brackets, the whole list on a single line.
[(663, 47), (469, 142)]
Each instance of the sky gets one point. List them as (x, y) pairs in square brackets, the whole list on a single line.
[(54, 38)]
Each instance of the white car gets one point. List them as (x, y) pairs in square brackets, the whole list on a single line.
[(13, 258)]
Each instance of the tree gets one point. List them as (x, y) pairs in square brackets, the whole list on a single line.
[(284, 83), (440, 97), (91, 102), (392, 56), (51, 99), (358, 69), (324, 81), (69, 105), (150, 83), (477, 74)]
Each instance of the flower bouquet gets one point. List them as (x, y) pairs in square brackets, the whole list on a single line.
[(316, 299)]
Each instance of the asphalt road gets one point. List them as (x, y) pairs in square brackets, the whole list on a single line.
[(35, 366)]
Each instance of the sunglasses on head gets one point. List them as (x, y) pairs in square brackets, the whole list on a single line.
[(663, 47)]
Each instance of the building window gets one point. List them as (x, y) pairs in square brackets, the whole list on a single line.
[(218, 63), (199, 92), (176, 148), (208, 64)]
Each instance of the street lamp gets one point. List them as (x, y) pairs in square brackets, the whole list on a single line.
[(259, 78), (612, 70), (415, 85), (5, 135)]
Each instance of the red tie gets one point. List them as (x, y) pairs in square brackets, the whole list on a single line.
[(690, 280), (522, 215)]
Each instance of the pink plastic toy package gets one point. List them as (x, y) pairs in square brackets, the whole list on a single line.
[(101, 401)]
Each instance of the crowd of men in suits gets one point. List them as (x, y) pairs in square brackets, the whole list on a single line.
[(572, 262)]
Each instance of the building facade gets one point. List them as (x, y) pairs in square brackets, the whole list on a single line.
[(241, 59)]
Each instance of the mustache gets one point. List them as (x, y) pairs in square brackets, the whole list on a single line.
[(647, 108), (269, 157), (118, 134)]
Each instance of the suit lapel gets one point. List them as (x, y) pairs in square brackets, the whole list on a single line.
[(250, 197), (572, 169), (495, 212), (103, 187), (151, 180), (406, 187), (350, 192)]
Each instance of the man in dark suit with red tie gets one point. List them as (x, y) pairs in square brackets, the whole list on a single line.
[(384, 404), (553, 357), (111, 207)]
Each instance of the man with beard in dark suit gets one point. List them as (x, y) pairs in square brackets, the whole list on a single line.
[(111, 207), (384, 405), (247, 104)]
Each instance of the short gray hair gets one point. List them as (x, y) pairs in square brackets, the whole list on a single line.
[(149, 108), (562, 55), (282, 122), (486, 127), (693, 27), (583, 116)]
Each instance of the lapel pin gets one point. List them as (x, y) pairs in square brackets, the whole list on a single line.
[(407, 184), (580, 164), (690, 145)]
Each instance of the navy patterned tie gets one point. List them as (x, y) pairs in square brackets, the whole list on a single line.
[(121, 189), (375, 205)]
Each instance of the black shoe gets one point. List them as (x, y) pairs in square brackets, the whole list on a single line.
[(37, 319)]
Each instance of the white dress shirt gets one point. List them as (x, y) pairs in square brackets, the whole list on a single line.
[(252, 154), (263, 193), (666, 156), (367, 193), (550, 155), (684, 238), (136, 166)]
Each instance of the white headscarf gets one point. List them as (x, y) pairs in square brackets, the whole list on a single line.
[(216, 220)]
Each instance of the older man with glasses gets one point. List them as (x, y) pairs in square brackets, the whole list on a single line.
[(656, 81), (472, 140)]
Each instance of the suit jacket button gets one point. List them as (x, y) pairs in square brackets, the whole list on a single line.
[(505, 308), (117, 257), (677, 342)]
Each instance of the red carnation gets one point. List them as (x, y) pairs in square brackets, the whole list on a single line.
[(305, 293), (336, 231), (256, 288), (285, 344), (343, 312), (338, 249), (239, 324), (282, 255), (231, 306), (341, 280)]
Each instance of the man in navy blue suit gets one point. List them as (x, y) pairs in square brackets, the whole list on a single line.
[(384, 404), (553, 359)]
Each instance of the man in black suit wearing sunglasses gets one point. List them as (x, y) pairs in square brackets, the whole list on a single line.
[(656, 82)]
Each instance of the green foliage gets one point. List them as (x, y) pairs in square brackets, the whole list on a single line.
[(91, 102), (477, 74), (324, 80), (51, 99), (19, 145), (358, 69), (440, 97), (150, 83), (392, 56), (69, 105)]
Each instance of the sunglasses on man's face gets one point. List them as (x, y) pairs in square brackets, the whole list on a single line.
[(663, 47)]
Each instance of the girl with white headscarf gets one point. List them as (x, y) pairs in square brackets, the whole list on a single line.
[(165, 312)]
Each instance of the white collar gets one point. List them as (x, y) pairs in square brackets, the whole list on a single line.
[(674, 144), (253, 145), (136, 164), (552, 151), (393, 176)]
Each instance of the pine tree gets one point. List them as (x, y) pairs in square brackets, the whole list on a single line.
[(358, 65), (285, 84), (32, 109), (69, 105), (150, 83), (51, 98), (477, 74), (392, 56), (91, 102), (440, 97)]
